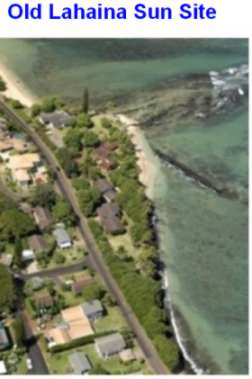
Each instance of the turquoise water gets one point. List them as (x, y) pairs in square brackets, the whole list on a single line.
[(203, 235)]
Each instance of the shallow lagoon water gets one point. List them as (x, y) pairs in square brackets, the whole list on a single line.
[(203, 236)]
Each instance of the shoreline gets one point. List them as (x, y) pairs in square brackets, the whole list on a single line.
[(16, 89), (149, 165), (147, 162)]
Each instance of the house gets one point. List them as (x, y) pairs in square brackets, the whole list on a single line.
[(78, 285), (22, 177), (108, 215), (93, 310), (28, 255), (5, 145), (110, 345), (42, 217), (28, 161), (127, 355), (3, 370), (62, 237), (4, 339), (37, 243), (102, 155), (20, 145), (57, 119), (43, 300), (23, 166), (106, 189), (74, 325), (79, 363)]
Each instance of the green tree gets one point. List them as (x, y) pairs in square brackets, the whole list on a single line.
[(85, 105), (83, 120), (15, 224), (66, 159), (90, 139), (48, 104), (35, 110), (3, 86), (89, 199), (106, 123), (94, 291), (43, 195), (7, 290), (62, 212), (19, 332), (73, 140)]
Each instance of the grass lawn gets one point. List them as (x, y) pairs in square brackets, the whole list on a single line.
[(112, 321), (98, 128), (58, 362), (22, 367), (125, 241)]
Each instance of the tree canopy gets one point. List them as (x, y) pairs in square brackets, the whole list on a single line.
[(7, 290), (15, 223)]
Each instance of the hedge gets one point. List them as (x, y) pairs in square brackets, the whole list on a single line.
[(79, 342)]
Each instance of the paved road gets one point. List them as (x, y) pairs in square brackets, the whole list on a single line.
[(95, 255), (56, 272), (39, 366)]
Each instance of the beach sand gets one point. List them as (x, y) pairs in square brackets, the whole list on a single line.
[(15, 87), (148, 163)]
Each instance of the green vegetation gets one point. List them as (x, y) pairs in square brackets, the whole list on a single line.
[(3, 86), (62, 212), (7, 290), (15, 224), (143, 294), (88, 196), (90, 138), (43, 195), (83, 121), (66, 160), (18, 332)]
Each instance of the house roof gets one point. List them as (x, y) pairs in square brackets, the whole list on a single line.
[(77, 321), (21, 175), (79, 363), (42, 217), (27, 255), (24, 161), (5, 144), (91, 308), (108, 214), (81, 282), (112, 344), (103, 185), (37, 243), (58, 118), (61, 236)]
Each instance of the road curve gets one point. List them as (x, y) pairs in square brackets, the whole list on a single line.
[(95, 255)]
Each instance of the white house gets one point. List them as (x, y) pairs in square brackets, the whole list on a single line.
[(28, 255)]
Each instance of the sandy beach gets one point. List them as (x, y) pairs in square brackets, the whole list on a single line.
[(15, 87), (147, 162)]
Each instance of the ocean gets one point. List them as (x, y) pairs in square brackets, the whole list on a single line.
[(190, 97)]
